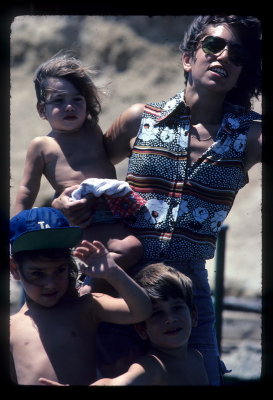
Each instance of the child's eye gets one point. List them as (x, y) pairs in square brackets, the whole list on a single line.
[(179, 307), (78, 99), (35, 275), (156, 313), (61, 270), (54, 101)]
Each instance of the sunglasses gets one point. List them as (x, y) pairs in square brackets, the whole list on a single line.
[(214, 44)]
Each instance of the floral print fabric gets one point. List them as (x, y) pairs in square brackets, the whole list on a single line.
[(186, 205)]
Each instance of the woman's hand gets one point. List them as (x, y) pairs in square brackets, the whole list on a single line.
[(78, 212)]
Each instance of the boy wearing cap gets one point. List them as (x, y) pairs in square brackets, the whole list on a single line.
[(53, 334)]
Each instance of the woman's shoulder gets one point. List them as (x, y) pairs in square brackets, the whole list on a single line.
[(133, 113)]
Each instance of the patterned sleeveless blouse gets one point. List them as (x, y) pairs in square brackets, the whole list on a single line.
[(186, 204)]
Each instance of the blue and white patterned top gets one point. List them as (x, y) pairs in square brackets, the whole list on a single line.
[(186, 204)]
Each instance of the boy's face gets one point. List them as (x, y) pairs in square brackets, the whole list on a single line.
[(65, 107), (45, 281), (169, 325)]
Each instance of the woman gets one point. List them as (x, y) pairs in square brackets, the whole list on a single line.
[(189, 156)]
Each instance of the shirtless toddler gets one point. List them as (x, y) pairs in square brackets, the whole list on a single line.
[(73, 151)]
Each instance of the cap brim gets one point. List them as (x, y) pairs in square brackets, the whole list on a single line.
[(57, 238)]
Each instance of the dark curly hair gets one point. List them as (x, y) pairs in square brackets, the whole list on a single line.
[(66, 65), (248, 29)]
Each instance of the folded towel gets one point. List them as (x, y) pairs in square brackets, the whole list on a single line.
[(98, 187), (121, 199)]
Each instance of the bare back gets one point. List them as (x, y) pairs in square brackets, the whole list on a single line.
[(57, 343)]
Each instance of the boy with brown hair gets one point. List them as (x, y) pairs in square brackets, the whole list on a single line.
[(53, 334)]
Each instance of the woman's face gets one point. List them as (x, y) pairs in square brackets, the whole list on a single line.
[(214, 72)]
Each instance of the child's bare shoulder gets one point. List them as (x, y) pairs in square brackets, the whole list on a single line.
[(196, 355), (41, 142), (18, 321), (153, 365), (198, 366)]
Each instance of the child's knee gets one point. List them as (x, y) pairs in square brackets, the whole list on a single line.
[(128, 250)]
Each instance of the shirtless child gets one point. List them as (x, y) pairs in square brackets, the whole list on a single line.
[(73, 151), (53, 335), (169, 360)]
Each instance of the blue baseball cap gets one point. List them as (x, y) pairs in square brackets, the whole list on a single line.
[(42, 228)]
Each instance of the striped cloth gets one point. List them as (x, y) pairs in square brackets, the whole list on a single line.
[(186, 205)]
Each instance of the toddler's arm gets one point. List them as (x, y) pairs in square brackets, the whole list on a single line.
[(31, 180)]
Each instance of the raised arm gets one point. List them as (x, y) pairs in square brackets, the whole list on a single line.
[(120, 137), (31, 180), (133, 305)]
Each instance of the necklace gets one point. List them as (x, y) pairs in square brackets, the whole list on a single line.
[(194, 133), (205, 140), (201, 140)]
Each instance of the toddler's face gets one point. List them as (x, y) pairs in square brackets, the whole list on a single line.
[(65, 107)]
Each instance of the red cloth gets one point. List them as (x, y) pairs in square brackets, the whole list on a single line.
[(125, 206)]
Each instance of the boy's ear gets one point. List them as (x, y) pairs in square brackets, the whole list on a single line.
[(141, 330), (194, 317), (41, 110), (14, 269)]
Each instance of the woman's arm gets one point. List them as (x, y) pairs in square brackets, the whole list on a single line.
[(120, 137), (254, 145)]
